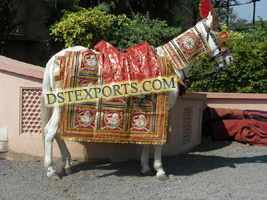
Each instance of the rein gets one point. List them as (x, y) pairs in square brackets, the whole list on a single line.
[(214, 73)]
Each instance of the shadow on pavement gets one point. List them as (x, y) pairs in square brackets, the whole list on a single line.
[(179, 165)]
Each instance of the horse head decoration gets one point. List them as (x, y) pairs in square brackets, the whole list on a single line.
[(213, 29), (181, 53), (209, 31)]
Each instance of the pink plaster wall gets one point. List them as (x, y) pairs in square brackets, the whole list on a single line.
[(10, 100), (237, 101), (15, 75)]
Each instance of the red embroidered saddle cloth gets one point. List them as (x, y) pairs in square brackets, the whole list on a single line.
[(121, 120), (135, 63)]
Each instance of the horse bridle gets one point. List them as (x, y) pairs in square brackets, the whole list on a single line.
[(221, 45)]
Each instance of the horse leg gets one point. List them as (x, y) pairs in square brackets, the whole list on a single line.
[(50, 131), (144, 162), (65, 154), (158, 163)]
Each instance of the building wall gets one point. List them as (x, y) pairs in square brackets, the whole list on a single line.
[(14, 76), (28, 43), (237, 101)]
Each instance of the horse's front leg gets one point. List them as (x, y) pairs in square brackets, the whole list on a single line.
[(50, 131), (158, 163), (144, 162), (65, 154)]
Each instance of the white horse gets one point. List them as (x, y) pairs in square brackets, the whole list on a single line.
[(50, 120)]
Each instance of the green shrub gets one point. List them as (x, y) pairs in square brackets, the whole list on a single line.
[(88, 27), (141, 28), (85, 27)]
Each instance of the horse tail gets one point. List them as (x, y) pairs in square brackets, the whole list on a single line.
[(46, 111)]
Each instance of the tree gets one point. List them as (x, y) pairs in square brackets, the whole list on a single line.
[(8, 12), (139, 29), (87, 27), (224, 11)]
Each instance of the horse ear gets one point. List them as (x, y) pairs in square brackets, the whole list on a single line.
[(210, 15), (209, 19), (206, 10)]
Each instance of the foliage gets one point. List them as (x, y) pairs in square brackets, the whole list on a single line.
[(239, 24), (127, 33), (106, 6), (156, 8), (247, 74), (85, 27), (257, 33), (249, 48), (225, 15)]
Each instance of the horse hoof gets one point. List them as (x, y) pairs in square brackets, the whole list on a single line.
[(162, 177), (54, 176), (148, 173), (67, 171)]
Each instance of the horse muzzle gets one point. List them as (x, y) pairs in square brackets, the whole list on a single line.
[(227, 60)]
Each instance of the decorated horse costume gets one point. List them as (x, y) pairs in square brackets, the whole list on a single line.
[(108, 118), (127, 119)]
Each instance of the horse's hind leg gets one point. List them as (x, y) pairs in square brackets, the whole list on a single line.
[(144, 162), (158, 163), (50, 131), (65, 154)]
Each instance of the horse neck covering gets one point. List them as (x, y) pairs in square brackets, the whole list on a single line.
[(185, 49)]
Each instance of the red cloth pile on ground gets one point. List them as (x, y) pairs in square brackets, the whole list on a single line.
[(246, 126)]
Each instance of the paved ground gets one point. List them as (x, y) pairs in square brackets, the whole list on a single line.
[(214, 170)]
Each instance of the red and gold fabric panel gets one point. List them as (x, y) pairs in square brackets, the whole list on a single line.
[(121, 120), (134, 63), (186, 48)]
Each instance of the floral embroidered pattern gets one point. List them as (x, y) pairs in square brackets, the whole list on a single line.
[(186, 48)]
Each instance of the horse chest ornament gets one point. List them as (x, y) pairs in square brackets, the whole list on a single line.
[(128, 119)]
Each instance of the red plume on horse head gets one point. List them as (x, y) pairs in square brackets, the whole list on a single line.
[(205, 7)]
